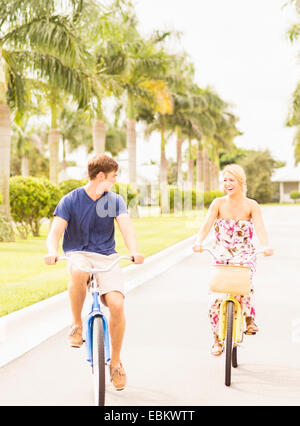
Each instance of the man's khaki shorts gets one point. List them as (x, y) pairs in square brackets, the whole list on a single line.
[(111, 280)]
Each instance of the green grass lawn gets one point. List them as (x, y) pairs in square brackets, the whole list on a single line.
[(25, 279)]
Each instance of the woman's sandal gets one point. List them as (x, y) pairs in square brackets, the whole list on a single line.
[(251, 328), (217, 349)]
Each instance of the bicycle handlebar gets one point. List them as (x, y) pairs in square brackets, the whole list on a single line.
[(211, 252), (94, 270)]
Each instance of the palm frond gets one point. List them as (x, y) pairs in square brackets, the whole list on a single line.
[(50, 70), (53, 34)]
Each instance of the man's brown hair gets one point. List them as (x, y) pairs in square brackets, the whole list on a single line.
[(101, 163)]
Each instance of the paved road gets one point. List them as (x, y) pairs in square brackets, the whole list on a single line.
[(167, 342)]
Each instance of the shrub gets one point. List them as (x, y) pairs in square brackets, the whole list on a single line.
[(210, 196), (189, 199), (69, 185), (129, 194), (29, 201), (55, 194), (295, 195), (6, 229)]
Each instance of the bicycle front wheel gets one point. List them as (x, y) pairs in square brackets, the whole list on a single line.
[(229, 330), (98, 362)]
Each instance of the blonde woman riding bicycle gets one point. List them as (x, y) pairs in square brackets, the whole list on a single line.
[(234, 218)]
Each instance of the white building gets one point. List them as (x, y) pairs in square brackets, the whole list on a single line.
[(289, 180)]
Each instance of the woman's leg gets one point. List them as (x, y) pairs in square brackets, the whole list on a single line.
[(214, 314)]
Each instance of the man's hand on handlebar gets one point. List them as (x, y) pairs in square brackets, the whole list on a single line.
[(137, 258), (51, 258)]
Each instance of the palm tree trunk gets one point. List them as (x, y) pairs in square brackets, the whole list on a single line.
[(64, 175), (131, 142), (206, 171), (99, 136), (163, 176), (24, 166), (5, 136), (179, 158), (190, 166), (131, 146), (53, 142), (131, 149), (199, 164)]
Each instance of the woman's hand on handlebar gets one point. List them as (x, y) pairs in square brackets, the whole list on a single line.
[(198, 248), (268, 251)]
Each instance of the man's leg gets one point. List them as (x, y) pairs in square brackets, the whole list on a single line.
[(77, 294), (115, 302)]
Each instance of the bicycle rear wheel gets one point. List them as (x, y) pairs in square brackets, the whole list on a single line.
[(229, 330), (98, 362)]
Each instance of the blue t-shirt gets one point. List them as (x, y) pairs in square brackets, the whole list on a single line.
[(90, 223)]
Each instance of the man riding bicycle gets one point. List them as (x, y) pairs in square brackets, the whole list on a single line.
[(86, 218)]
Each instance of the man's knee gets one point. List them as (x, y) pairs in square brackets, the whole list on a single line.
[(115, 302), (78, 277)]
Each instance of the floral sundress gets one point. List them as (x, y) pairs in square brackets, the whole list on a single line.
[(233, 245)]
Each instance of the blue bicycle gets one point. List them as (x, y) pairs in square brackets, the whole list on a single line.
[(97, 334)]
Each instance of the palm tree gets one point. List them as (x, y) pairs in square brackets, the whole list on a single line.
[(5, 134), (293, 120), (75, 130), (36, 38), (138, 65)]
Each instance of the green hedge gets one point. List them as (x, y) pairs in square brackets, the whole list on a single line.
[(295, 195), (69, 185), (189, 199)]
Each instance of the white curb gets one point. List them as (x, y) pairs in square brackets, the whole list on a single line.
[(22, 330)]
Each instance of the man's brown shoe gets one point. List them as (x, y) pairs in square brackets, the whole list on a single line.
[(118, 377), (75, 336)]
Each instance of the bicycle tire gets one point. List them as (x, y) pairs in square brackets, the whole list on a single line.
[(228, 352), (234, 357), (98, 362)]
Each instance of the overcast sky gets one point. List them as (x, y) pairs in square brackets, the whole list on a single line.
[(240, 48)]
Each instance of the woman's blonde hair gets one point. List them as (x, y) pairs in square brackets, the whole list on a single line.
[(239, 173)]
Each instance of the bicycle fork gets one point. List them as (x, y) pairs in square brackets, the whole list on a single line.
[(237, 323), (96, 312)]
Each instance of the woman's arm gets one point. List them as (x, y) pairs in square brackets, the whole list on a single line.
[(260, 228), (209, 220)]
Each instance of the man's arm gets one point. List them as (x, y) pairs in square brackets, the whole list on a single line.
[(57, 229), (128, 233)]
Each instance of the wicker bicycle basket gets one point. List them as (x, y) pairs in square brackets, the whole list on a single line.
[(233, 279)]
